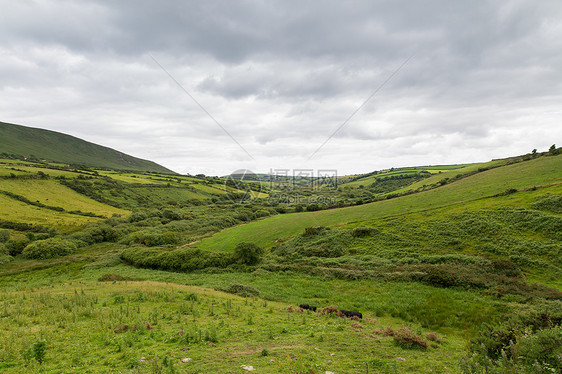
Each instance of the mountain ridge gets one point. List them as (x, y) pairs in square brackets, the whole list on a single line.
[(55, 146)]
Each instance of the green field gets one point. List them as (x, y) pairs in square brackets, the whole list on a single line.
[(20, 212), (50, 192), (462, 274)]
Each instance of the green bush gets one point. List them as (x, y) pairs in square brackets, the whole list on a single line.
[(360, 232), (552, 203), (4, 236), (545, 346), (309, 231), (145, 237), (170, 238), (16, 246), (525, 343), (36, 351), (183, 259), (247, 253), (263, 213), (4, 256), (49, 248)]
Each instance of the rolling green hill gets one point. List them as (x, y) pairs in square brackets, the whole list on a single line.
[(439, 271), (537, 172), (54, 146)]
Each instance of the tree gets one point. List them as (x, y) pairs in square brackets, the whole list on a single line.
[(553, 150)]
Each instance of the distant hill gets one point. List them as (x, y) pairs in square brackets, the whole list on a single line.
[(57, 147)]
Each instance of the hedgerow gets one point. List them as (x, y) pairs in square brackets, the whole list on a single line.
[(183, 259), (49, 248)]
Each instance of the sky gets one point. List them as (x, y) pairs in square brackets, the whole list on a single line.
[(216, 86)]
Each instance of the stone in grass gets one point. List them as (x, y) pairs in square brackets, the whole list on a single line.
[(248, 367), (329, 372), (400, 359), (142, 359), (186, 360)]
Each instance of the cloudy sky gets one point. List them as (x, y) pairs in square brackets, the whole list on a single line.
[(453, 81)]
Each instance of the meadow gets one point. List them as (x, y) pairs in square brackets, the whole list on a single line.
[(455, 269)]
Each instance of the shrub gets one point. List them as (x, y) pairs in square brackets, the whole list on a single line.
[(170, 238), (439, 276), (552, 203), (433, 337), (359, 232), (309, 231), (183, 259), (148, 238), (36, 351), (171, 214), (49, 248), (530, 343), (4, 257), (16, 246), (247, 253), (4, 236), (406, 338), (262, 213), (543, 346)]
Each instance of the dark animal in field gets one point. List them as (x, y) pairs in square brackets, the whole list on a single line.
[(308, 307), (350, 314)]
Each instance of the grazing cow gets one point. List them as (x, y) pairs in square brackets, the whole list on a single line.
[(350, 314), (308, 307)]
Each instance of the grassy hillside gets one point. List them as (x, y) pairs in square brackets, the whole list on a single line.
[(143, 272), (54, 146), (537, 172), (371, 178)]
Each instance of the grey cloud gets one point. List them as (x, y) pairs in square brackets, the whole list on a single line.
[(282, 75)]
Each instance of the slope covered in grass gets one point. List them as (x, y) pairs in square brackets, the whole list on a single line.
[(537, 172), (55, 146), (52, 193), (17, 211)]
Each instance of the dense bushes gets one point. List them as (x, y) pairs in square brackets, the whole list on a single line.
[(4, 254), (529, 343), (359, 232), (16, 246), (98, 233), (191, 259), (183, 259), (152, 238), (21, 226), (49, 248), (247, 253), (4, 236), (552, 203)]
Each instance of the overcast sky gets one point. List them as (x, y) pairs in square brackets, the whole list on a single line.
[(454, 81)]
